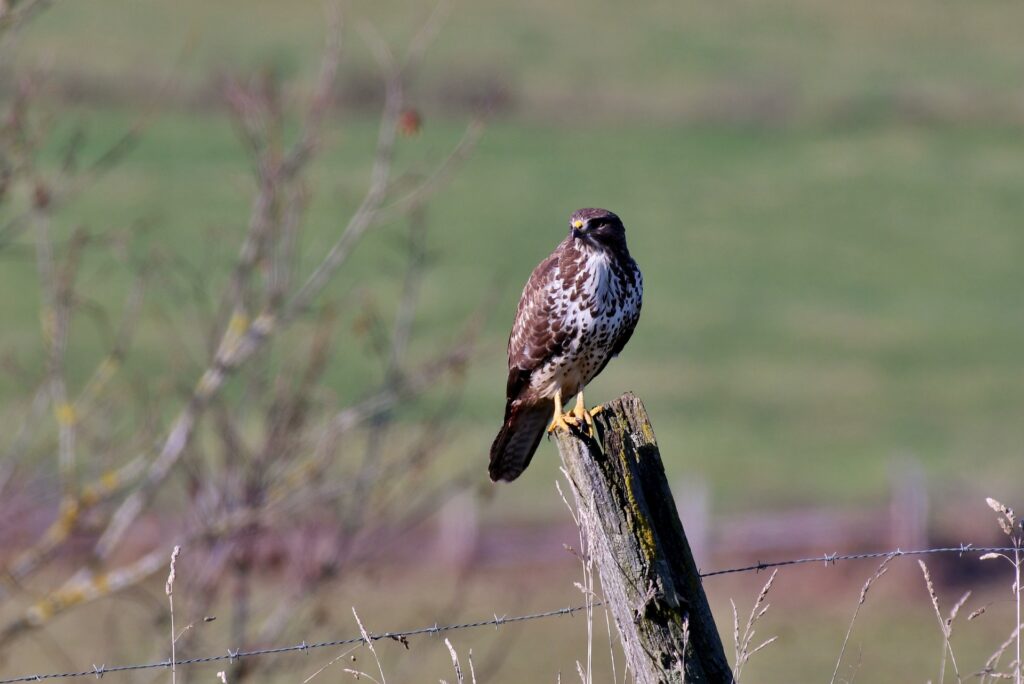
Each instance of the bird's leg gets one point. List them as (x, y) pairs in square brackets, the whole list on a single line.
[(560, 421), (580, 414)]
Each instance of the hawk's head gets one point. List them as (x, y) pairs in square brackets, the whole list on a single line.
[(597, 228)]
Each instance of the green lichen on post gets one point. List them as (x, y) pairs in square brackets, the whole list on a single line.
[(648, 431), (640, 525)]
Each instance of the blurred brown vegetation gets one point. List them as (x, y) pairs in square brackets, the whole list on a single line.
[(258, 467)]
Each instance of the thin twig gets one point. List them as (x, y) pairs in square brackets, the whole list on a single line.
[(945, 628), (743, 650), (369, 643), (882, 569), (169, 590)]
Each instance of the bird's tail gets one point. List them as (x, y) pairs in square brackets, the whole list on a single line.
[(515, 444)]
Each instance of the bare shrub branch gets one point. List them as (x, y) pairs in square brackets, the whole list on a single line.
[(240, 464)]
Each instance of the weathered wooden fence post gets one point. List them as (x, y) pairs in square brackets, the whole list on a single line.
[(633, 532)]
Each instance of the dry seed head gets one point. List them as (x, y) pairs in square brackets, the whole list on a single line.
[(1000, 508), (766, 643), (882, 569), (455, 659), (735, 624), (931, 592), (956, 608), (169, 586), (766, 589)]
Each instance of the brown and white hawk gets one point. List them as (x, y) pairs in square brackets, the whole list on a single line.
[(577, 311)]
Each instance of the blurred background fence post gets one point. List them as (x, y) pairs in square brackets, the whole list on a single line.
[(632, 532), (908, 506)]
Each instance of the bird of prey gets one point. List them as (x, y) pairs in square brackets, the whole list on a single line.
[(577, 311)]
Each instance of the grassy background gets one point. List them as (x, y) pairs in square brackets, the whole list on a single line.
[(825, 200), (818, 301)]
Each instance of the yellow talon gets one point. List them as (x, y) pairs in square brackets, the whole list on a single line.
[(580, 414), (560, 421), (579, 417)]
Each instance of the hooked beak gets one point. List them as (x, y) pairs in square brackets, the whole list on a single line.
[(577, 230)]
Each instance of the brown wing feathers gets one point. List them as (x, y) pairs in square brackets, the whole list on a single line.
[(530, 344)]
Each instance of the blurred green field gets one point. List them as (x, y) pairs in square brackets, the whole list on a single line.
[(824, 293), (818, 301), (617, 60)]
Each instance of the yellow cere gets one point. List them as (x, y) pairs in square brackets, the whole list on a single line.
[(577, 223)]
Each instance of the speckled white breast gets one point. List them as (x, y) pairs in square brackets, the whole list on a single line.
[(598, 305)]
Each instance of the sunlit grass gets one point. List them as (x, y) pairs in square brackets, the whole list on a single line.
[(817, 303)]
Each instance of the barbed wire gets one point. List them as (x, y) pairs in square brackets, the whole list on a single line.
[(231, 656), (828, 559), (833, 558)]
